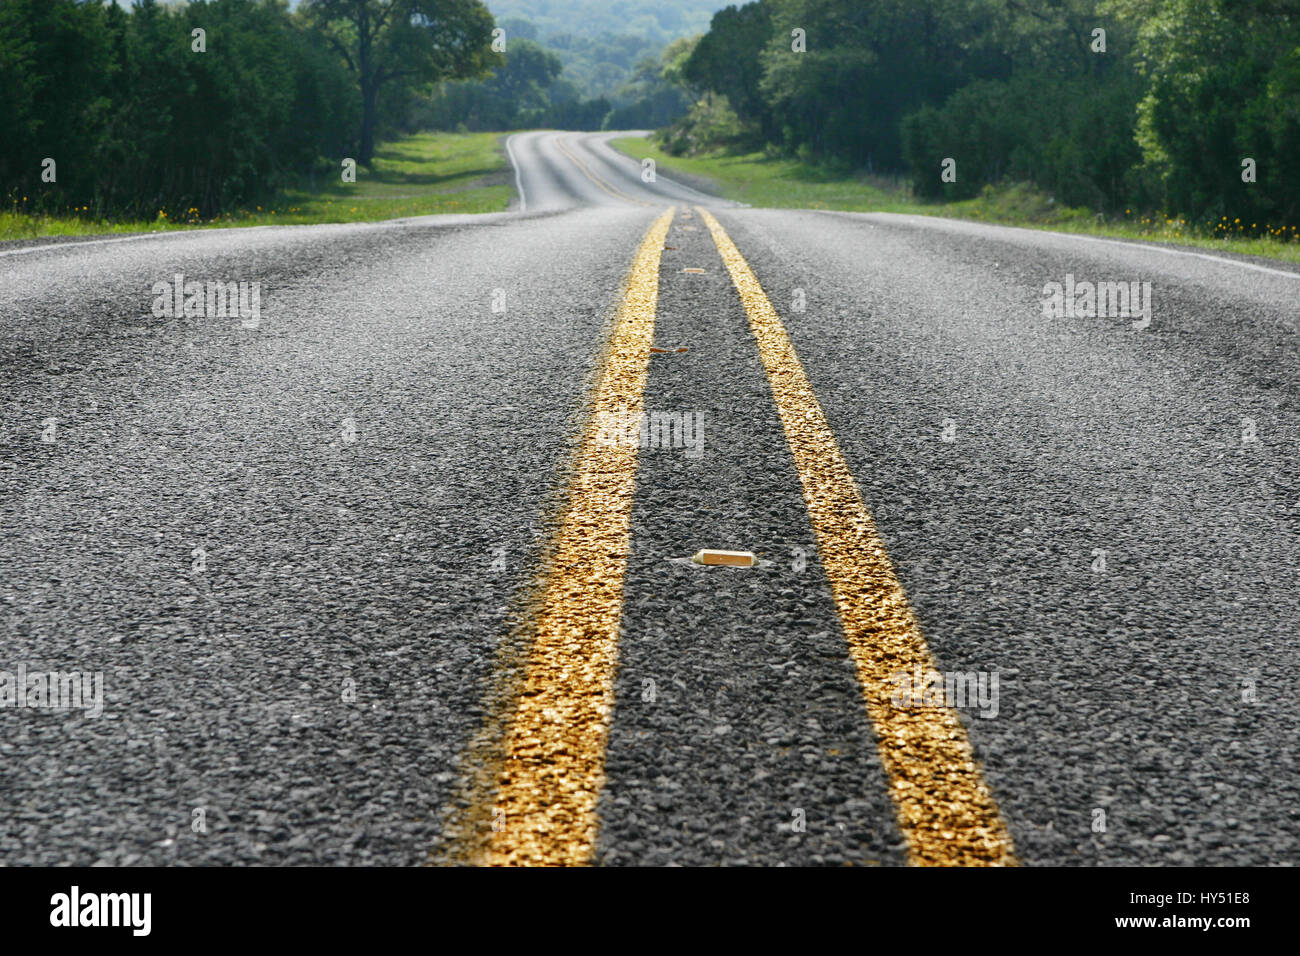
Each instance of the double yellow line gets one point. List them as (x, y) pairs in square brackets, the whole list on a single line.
[(546, 772), (549, 767), (945, 809)]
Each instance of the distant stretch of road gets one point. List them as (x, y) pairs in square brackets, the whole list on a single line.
[(394, 567), (567, 170)]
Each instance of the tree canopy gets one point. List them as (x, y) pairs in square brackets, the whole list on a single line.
[(1106, 103), (403, 41)]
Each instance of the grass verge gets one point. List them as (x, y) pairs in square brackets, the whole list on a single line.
[(761, 180), (420, 175)]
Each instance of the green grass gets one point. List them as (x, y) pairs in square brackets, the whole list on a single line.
[(419, 175), (761, 180)]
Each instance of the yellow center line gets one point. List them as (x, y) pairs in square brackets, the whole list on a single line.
[(945, 809), (613, 191), (552, 756)]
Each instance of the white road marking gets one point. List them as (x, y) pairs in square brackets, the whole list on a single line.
[(90, 242), (363, 225), (931, 220), (1174, 252), (519, 182)]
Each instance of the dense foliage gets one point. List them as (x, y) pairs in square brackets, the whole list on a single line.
[(399, 43), (1190, 107), (1161, 111), (130, 113)]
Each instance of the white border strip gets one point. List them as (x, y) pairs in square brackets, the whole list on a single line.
[(1173, 252), (934, 221), (88, 242), (519, 182)]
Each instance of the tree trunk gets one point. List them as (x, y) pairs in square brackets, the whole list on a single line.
[(369, 107), (368, 79)]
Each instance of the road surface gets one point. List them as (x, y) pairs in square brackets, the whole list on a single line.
[(368, 581)]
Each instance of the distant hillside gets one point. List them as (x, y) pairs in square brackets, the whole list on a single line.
[(659, 20), (600, 42)]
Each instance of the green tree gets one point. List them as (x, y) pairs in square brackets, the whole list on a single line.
[(139, 121), (408, 42), (867, 65), (728, 60), (1223, 85), (528, 73), (652, 99)]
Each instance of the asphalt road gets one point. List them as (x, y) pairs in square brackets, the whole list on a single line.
[(299, 553)]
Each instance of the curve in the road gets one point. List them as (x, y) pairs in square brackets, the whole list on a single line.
[(558, 170)]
